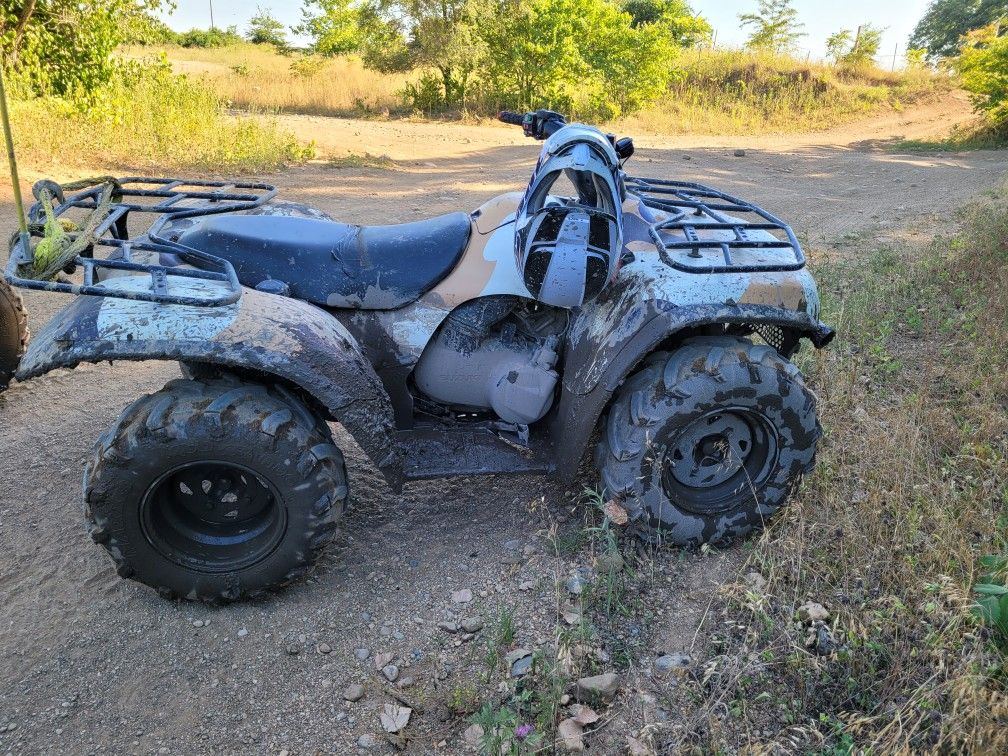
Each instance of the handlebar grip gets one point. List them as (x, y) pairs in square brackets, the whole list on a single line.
[(508, 116)]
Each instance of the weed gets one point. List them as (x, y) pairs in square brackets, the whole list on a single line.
[(504, 628), (463, 698)]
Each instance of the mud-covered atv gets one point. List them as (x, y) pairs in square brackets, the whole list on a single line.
[(13, 332), (423, 341)]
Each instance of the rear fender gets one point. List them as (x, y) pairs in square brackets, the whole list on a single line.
[(292, 340)]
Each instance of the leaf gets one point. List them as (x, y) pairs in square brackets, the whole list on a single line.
[(986, 589), (394, 718), (615, 512)]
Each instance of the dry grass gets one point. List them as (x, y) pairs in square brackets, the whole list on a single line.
[(151, 121), (910, 491), (739, 92), (256, 78)]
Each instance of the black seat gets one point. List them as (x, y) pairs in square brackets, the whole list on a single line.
[(336, 264)]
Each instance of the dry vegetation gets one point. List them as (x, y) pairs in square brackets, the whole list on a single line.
[(739, 92), (909, 493), (715, 92), (149, 120), (256, 78)]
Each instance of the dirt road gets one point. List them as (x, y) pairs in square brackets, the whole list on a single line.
[(90, 663)]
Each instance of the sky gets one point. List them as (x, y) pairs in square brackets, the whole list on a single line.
[(821, 18)]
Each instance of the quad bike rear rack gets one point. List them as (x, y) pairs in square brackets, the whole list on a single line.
[(162, 198), (705, 220)]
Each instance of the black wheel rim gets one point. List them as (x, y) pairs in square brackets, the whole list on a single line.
[(213, 516), (717, 458)]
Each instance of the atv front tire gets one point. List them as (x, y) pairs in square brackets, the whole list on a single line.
[(13, 332), (215, 490), (705, 443)]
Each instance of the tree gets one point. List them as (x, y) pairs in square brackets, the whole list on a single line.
[(775, 27), (332, 26), (263, 29), (685, 27), (983, 69), (65, 47), (582, 57), (403, 35), (946, 22), (838, 44), (848, 49)]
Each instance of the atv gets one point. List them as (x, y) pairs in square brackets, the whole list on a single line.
[(496, 341)]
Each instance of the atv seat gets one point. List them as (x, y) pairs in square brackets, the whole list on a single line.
[(335, 264)]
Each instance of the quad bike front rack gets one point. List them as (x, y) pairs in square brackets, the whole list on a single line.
[(713, 229), (162, 198)]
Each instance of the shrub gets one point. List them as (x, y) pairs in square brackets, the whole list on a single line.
[(210, 38), (64, 47), (983, 68), (263, 29), (581, 57)]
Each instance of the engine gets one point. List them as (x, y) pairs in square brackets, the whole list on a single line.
[(495, 353)]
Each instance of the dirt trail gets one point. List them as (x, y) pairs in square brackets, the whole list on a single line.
[(91, 663)]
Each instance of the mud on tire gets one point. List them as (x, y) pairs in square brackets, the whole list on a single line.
[(13, 332), (215, 490), (705, 443)]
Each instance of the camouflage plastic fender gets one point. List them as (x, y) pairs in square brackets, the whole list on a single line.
[(651, 302), (292, 340)]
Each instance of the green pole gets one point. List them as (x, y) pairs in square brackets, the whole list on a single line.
[(15, 181)]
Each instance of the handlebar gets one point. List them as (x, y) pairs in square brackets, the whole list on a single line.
[(510, 117), (542, 124)]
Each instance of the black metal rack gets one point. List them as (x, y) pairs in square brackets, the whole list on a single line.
[(702, 219), (164, 199)]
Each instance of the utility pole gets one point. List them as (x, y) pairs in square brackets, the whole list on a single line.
[(211, 16), (894, 56)]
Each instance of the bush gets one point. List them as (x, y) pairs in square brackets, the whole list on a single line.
[(581, 57), (210, 38), (64, 47), (983, 67)]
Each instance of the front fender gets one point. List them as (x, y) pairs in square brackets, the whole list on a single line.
[(289, 339), (649, 303)]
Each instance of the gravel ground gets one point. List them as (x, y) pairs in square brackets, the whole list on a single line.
[(90, 663)]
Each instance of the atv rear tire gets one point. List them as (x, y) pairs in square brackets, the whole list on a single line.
[(215, 490), (705, 443), (13, 332)]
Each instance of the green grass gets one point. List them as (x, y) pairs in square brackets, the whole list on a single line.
[(908, 495), (979, 135), (147, 119)]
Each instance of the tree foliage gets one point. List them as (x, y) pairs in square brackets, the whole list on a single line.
[(332, 26), (983, 69), (263, 29), (845, 48), (686, 28), (65, 46), (592, 57), (577, 56), (775, 26), (946, 22)]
